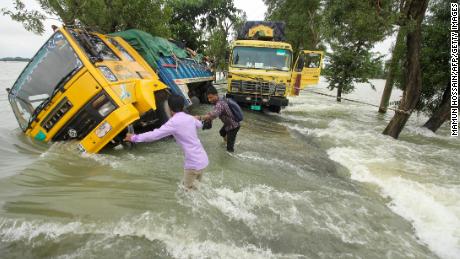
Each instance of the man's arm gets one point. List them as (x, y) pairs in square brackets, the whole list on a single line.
[(198, 123), (166, 130), (216, 112)]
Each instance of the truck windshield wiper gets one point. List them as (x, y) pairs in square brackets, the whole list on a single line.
[(38, 110), (47, 100), (89, 46)]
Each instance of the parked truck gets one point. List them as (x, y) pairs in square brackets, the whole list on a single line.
[(94, 88), (262, 73)]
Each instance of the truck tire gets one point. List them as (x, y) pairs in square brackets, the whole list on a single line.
[(162, 113), (274, 108), (195, 100)]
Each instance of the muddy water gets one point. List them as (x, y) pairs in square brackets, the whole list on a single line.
[(317, 181)]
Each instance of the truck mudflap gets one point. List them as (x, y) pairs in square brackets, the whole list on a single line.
[(109, 128), (259, 100)]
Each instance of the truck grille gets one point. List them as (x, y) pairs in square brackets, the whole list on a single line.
[(61, 109), (256, 87), (81, 123)]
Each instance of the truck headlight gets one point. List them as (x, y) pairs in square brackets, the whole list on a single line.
[(102, 130), (108, 73), (106, 109), (103, 105), (280, 89)]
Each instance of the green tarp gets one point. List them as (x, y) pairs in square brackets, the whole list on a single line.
[(151, 48)]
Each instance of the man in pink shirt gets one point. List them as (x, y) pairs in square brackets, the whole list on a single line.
[(183, 128)]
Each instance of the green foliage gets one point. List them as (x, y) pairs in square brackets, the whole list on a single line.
[(113, 15), (434, 57), (196, 20), (303, 21), (352, 28), (217, 47), (103, 16), (19, 59), (348, 65), (201, 24), (30, 19)]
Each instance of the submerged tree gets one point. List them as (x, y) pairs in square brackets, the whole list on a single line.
[(393, 70), (414, 12), (351, 29), (435, 96), (434, 61)]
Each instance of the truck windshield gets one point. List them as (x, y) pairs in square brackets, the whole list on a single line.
[(49, 69), (262, 58)]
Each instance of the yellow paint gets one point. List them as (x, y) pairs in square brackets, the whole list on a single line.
[(133, 92), (310, 73), (118, 120), (262, 30), (309, 76)]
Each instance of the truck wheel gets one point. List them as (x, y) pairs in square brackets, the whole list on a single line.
[(195, 101), (274, 108), (162, 113)]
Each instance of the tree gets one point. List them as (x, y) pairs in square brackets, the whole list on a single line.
[(104, 16), (414, 12), (31, 20), (303, 21), (393, 70), (196, 20), (435, 95), (351, 29)]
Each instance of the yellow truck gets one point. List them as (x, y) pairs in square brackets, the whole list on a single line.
[(87, 87), (261, 71)]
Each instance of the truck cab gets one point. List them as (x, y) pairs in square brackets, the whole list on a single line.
[(87, 87), (262, 72)]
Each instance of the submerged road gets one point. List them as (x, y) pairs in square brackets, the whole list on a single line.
[(316, 181)]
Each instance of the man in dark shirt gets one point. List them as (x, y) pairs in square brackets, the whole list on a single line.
[(222, 110)]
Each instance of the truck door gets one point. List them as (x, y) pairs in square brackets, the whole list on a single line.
[(307, 70)]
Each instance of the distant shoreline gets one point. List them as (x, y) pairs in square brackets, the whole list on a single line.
[(20, 59)]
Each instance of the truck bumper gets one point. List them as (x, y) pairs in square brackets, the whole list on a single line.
[(259, 100), (117, 121)]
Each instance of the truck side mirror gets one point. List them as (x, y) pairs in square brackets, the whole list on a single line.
[(227, 56)]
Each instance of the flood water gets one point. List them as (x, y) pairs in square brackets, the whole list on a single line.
[(316, 181)]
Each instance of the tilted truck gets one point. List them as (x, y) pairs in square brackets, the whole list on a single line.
[(88, 87), (261, 71), (183, 72)]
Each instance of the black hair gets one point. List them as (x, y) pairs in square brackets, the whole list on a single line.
[(211, 90), (176, 103)]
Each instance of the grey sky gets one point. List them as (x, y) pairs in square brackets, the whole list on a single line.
[(16, 41)]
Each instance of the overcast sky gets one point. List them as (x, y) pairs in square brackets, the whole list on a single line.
[(16, 41)]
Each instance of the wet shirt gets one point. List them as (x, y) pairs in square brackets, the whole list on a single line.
[(222, 110), (183, 128)]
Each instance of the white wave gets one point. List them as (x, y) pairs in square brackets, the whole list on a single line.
[(104, 159), (180, 241), (272, 161), (256, 206), (303, 119), (242, 204), (436, 221)]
